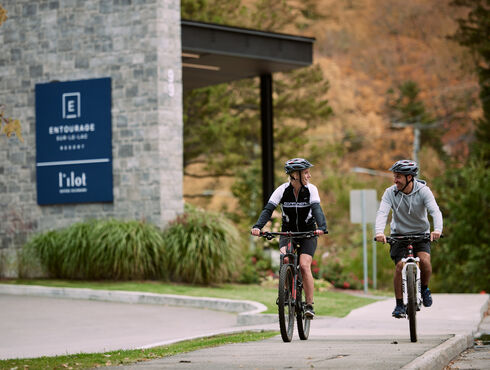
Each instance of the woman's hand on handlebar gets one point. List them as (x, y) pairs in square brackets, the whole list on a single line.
[(255, 232), (319, 232)]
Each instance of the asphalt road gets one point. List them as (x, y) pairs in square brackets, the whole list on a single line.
[(41, 326)]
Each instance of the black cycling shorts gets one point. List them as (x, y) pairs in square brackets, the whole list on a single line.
[(399, 250), (307, 245)]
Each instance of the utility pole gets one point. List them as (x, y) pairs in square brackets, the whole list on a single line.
[(417, 126)]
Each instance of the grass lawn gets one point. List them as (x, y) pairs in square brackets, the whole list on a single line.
[(327, 303)]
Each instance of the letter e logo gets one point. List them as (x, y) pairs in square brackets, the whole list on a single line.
[(71, 105)]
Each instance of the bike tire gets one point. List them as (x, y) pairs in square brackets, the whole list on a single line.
[(412, 301), (302, 322), (285, 302)]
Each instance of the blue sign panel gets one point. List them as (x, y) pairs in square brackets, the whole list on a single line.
[(74, 142)]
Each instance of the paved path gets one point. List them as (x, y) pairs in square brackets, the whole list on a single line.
[(367, 338)]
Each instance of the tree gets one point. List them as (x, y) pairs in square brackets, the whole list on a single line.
[(474, 33), (222, 123), (461, 261), (8, 125), (404, 105)]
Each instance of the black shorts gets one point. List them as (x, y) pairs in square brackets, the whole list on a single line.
[(399, 250), (307, 245)]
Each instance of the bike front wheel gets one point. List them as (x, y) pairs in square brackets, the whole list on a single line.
[(286, 302), (412, 301), (302, 321)]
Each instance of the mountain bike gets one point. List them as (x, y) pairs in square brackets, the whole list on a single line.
[(411, 284), (291, 300)]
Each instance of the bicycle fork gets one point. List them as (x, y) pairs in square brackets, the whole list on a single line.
[(406, 262)]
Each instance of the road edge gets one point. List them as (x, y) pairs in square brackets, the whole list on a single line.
[(439, 357), (249, 312)]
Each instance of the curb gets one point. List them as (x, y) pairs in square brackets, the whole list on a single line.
[(248, 311), (437, 358)]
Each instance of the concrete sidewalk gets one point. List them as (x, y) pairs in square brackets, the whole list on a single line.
[(367, 338)]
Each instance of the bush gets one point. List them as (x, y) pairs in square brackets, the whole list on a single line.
[(461, 260), (201, 248), (107, 249), (257, 267), (334, 272)]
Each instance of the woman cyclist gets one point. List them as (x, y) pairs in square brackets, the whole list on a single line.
[(301, 211)]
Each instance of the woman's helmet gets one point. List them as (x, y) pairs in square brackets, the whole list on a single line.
[(406, 167), (296, 164)]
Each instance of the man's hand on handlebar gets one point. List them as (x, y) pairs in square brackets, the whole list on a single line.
[(319, 232), (435, 235), (381, 238)]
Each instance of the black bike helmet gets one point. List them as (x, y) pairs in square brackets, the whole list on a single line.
[(296, 164), (405, 167)]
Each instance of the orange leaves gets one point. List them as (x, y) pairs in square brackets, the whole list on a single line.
[(9, 126), (3, 15)]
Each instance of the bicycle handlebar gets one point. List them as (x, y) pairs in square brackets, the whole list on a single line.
[(409, 238), (294, 234)]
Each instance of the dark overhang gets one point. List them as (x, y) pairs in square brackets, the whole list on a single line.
[(213, 54)]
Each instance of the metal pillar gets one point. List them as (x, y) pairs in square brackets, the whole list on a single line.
[(266, 114)]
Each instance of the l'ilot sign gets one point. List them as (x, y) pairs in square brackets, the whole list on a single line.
[(74, 142)]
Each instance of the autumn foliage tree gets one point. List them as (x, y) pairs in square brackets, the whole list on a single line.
[(474, 33), (462, 262)]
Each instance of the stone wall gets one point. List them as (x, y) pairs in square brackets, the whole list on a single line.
[(137, 44)]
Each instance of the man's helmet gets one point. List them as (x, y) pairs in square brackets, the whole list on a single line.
[(406, 167), (296, 164)]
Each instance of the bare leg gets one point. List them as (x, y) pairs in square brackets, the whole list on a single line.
[(425, 267), (397, 280), (283, 251), (308, 283)]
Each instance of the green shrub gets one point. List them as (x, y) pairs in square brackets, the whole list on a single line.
[(98, 249), (461, 260), (256, 267), (201, 247)]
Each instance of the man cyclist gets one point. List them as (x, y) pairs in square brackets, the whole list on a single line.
[(409, 199), (301, 211)]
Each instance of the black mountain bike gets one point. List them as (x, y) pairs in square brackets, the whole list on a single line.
[(411, 285), (291, 300)]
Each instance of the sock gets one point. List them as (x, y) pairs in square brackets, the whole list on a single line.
[(399, 301), (424, 287)]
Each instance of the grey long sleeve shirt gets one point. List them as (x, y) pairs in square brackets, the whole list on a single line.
[(409, 210)]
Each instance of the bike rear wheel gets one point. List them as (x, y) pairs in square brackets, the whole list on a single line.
[(412, 301), (301, 320), (286, 302)]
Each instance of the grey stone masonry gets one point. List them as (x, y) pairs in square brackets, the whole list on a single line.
[(137, 43)]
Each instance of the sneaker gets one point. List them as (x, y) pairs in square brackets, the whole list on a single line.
[(427, 298), (309, 312), (399, 312)]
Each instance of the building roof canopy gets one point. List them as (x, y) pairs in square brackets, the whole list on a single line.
[(214, 54)]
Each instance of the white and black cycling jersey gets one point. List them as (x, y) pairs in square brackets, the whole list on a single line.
[(302, 213)]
